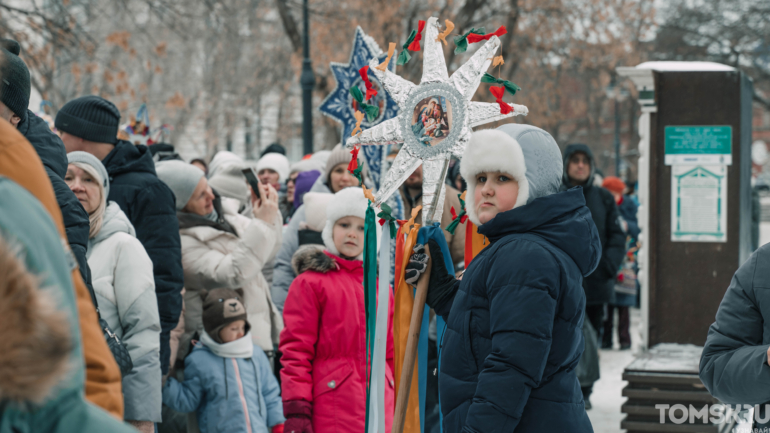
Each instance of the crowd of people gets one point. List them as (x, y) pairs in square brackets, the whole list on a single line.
[(196, 303)]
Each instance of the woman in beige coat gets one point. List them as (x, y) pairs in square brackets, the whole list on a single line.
[(222, 249)]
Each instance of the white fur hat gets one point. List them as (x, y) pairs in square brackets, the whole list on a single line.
[(275, 162), (529, 154), (346, 202), (315, 209)]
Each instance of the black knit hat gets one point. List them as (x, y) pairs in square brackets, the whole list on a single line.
[(91, 118), (15, 87)]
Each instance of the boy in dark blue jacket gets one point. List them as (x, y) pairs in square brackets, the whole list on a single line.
[(514, 321)]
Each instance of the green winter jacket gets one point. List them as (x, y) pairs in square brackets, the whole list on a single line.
[(26, 225)]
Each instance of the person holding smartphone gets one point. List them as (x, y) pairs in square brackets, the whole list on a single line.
[(223, 249)]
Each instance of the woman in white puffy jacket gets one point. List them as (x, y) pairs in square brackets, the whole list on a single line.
[(121, 273), (223, 249)]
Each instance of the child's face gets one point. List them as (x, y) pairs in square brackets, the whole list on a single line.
[(495, 192), (233, 331), (348, 236)]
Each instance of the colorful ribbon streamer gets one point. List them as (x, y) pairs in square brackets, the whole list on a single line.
[(370, 91), (509, 86), (415, 45), (379, 355), (372, 111), (370, 300), (475, 37), (498, 93)]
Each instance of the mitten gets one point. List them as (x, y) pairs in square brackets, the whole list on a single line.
[(298, 416)]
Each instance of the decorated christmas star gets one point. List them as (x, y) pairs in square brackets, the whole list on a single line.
[(435, 119)]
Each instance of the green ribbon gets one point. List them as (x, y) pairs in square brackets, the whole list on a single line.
[(372, 111), (370, 294), (461, 42), (452, 227), (385, 215), (403, 56), (490, 79)]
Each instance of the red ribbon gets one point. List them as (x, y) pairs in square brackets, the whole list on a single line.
[(353, 165), (415, 45), (364, 73), (473, 37), (498, 93), (454, 215)]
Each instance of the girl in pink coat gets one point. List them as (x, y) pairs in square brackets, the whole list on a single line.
[(323, 381)]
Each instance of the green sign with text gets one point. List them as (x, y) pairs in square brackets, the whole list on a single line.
[(698, 144)]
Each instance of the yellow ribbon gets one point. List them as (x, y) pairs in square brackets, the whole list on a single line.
[(359, 118), (449, 27), (384, 65)]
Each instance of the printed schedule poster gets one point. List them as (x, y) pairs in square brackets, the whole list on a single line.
[(699, 203)]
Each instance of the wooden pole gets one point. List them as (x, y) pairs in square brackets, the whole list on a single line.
[(405, 383)]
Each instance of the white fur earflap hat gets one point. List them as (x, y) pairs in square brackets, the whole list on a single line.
[(529, 154), (346, 202)]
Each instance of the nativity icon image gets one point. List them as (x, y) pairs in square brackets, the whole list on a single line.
[(432, 120)]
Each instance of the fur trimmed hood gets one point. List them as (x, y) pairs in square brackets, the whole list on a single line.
[(312, 258), (529, 154)]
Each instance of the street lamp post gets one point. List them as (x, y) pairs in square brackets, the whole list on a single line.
[(307, 79)]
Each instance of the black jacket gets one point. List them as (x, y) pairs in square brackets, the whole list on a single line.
[(150, 206), (50, 149), (514, 331), (604, 211)]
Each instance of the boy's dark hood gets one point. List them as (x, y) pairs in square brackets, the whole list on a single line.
[(568, 152), (129, 158), (48, 145), (562, 219)]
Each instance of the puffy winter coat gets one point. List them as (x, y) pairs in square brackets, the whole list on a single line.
[(323, 344), (28, 228), (50, 149), (733, 365), (230, 387), (514, 330), (20, 163), (230, 254), (283, 272), (628, 210), (150, 206), (125, 292), (601, 283)]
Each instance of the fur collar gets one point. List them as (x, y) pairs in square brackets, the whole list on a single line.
[(312, 258)]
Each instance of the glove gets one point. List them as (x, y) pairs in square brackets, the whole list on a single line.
[(442, 285), (297, 413), (298, 425), (278, 428), (417, 264)]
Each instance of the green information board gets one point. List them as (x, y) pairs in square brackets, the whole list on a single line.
[(698, 145)]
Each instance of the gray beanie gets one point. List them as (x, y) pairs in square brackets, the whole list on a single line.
[(87, 158), (526, 152), (339, 155), (181, 177)]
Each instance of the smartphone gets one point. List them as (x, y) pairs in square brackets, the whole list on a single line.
[(251, 177)]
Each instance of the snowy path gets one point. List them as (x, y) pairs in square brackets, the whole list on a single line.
[(606, 398)]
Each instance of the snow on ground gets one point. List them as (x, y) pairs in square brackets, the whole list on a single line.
[(607, 396)]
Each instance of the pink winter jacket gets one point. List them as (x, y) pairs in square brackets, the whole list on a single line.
[(323, 342)]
